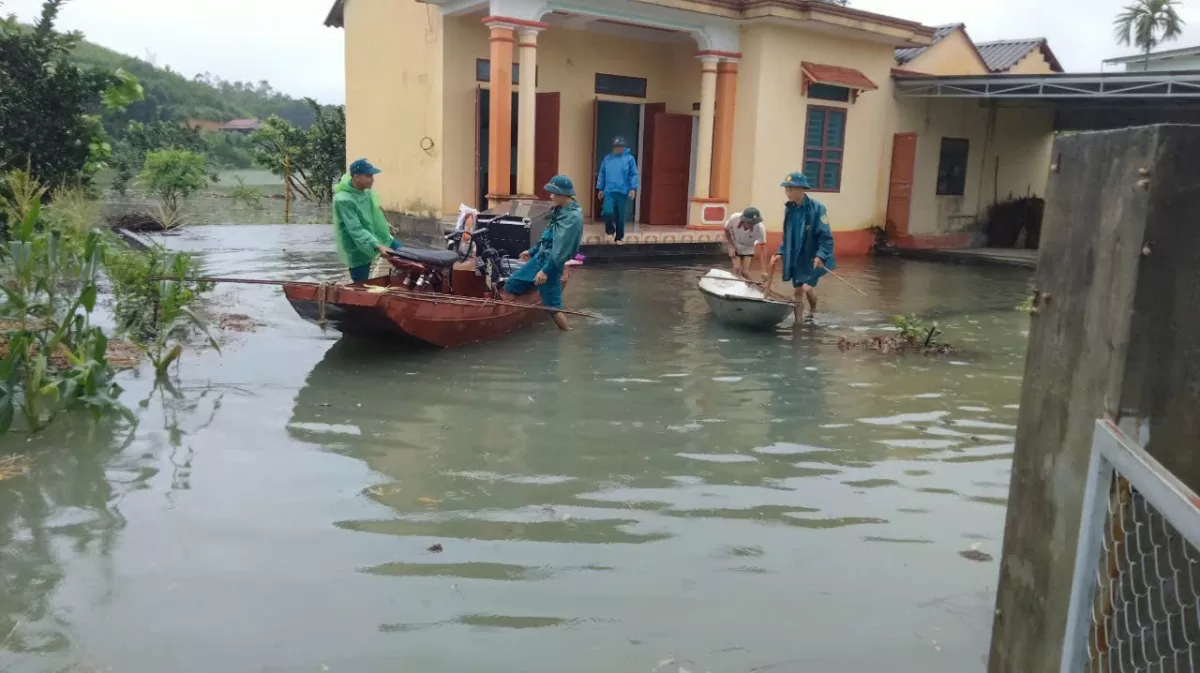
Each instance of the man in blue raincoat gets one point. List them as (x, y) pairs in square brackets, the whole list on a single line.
[(544, 262), (617, 184), (807, 247)]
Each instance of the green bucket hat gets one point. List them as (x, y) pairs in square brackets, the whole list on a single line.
[(751, 215), (796, 179), (561, 185)]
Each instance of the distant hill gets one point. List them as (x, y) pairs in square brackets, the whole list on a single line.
[(171, 96)]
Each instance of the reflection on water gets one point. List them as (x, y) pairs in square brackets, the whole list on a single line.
[(649, 487)]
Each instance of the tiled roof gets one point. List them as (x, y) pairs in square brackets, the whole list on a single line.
[(240, 124), (939, 33), (1004, 54)]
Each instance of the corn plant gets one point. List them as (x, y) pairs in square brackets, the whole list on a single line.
[(152, 296), (56, 358)]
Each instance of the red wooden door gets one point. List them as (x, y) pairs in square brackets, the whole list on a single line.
[(649, 112), (899, 204), (545, 142), (672, 167)]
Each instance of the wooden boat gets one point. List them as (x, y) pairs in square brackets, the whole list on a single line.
[(735, 302), (431, 297)]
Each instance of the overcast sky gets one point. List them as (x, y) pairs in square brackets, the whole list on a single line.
[(286, 43)]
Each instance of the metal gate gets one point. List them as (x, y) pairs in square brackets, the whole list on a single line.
[(1135, 597)]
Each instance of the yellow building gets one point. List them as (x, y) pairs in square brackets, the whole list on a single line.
[(481, 101)]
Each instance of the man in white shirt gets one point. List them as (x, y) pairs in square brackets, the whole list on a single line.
[(745, 235)]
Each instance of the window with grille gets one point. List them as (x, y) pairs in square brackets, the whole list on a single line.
[(483, 71), (832, 92), (824, 146), (619, 85), (952, 167)]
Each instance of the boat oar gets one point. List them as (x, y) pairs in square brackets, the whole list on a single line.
[(846, 282), (420, 296), (770, 276)]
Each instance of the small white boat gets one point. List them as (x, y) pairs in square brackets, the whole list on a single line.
[(735, 302)]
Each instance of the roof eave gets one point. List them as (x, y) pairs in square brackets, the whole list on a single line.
[(897, 32), (1154, 56), (1048, 54), (337, 15)]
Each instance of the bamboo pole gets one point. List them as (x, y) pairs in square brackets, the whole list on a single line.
[(418, 296), (287, 187)]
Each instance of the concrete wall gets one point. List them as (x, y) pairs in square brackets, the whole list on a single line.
[(1114, 335), (1009, 155), (769, 127), (568, 61), (394, 97), (1018, 161), (953, 55)]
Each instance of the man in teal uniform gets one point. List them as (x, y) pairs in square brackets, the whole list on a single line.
[(544, 262), (617, 183), (361, 230), (807, 247)]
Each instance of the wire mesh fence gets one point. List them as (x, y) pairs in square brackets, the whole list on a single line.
[(1136, 592)]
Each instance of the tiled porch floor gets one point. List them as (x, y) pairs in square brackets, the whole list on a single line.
[(593, 234)]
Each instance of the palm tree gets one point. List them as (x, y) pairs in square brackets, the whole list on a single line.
[(1147, 24)]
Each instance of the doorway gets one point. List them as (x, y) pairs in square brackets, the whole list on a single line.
[(545, 143), (483, 117), (900, 183), (614, 119)]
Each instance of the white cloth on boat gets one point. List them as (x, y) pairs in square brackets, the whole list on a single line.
[(745, 239), (465, 211)]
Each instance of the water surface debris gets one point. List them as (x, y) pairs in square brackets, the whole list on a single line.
[(892, 344), (975, 555), (14, 466)]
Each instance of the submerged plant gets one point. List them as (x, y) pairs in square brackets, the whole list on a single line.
[(152, 296), (914, 336), (244, 194), (914, 330), (54, 358)]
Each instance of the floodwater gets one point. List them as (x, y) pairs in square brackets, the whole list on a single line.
[(648, 492)]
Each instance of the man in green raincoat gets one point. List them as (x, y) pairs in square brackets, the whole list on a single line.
[(807, 247), (361, 230), (544, 262)]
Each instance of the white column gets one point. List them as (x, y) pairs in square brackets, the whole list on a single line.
[(708, 108), (526, 109)]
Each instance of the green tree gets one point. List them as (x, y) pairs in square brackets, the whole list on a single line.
[(229, 150), (314, 159), (1148, 23), (174, 174), (49, 107), (140, 139)]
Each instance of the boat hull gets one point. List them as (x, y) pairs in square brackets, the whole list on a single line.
[(740, 305), (416, 318)]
